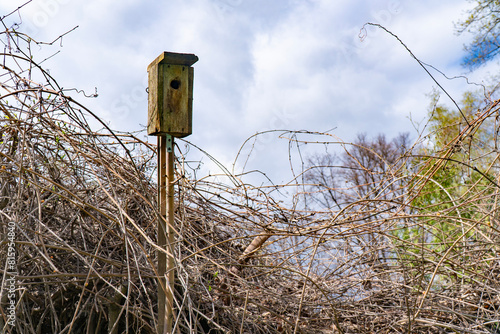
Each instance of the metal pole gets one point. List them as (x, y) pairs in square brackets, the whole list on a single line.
[(166, 268)]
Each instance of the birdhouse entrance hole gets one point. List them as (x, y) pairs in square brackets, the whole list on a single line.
[(175, 84)]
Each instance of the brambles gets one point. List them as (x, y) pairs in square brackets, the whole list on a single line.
[(402, 251)]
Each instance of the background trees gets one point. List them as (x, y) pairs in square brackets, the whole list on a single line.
[(367, 168), (484, 22), (431, 201)]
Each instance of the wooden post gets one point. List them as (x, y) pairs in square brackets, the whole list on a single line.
[(162, 240), (170, 100), (170, 233), (166, 263)]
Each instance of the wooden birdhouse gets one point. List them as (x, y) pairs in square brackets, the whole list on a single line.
[(170, 101)]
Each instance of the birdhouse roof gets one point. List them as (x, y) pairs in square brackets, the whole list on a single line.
[(172, 58)]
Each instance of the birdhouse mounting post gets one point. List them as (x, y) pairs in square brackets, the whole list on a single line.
[(170, 84)]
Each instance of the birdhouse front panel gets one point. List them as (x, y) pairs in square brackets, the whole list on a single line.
[(170, 96)]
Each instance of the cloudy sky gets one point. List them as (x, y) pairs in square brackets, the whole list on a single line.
[(263, 65)]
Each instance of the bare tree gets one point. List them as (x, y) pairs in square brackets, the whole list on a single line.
[(368, 168)]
